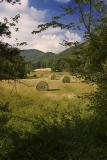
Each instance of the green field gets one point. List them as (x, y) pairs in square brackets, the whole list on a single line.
[(27, 104)]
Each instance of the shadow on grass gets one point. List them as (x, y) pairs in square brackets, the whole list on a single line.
[(54, 90)]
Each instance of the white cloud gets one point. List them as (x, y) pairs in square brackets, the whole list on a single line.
[(30, 18), (63, 1), (72, 37), (105, 1)]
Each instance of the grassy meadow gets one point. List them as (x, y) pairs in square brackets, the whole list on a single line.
[(27, 104)]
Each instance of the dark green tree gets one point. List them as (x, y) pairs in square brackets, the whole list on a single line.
[(58, 65), (12, 65)]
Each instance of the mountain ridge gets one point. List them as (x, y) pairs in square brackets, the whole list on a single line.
[(41, 59)]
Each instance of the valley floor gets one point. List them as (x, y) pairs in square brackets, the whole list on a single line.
[(28, 104)]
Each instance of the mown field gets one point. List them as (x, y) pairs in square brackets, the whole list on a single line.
[(27, 104)]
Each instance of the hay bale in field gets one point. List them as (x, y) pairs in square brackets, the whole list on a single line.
[(66, 79), (42, 86), (53, 77)]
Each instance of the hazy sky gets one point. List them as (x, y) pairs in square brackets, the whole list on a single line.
[(34, 12)]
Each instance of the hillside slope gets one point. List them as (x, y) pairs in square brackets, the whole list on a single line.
[(32, 54), (40, 59), (68, 52)]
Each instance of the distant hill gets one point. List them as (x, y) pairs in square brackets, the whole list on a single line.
[(37, 57), (32, 54), (40, 59)]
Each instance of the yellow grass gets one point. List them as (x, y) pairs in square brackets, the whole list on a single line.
[(26, 102)]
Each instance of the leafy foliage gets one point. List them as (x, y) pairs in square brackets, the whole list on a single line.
[(12, 64), (11, 1), (5, 114)]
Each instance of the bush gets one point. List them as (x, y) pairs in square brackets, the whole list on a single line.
[(53, 77), (35, 76), (42, 86), (5, 114), (66, 79)]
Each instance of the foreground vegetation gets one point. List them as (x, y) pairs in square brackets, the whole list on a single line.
[(42, 123), (51, 124)]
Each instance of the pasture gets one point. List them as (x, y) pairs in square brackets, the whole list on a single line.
[(28, 104)]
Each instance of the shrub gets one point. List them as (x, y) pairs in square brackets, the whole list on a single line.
[(66, 79), (53, 77), (5, 114), (35, 76), (42, 86)]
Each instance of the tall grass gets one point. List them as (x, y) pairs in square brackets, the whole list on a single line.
[(28, 104)]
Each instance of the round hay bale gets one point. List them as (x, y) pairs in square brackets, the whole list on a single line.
[(66, 79), (53, 77), (42, 86)]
